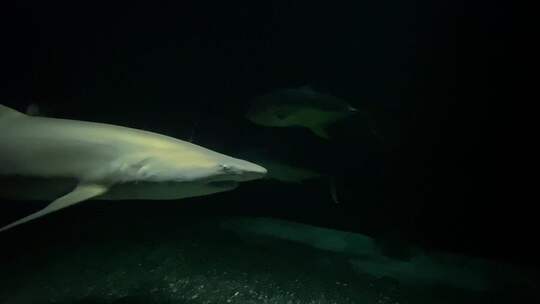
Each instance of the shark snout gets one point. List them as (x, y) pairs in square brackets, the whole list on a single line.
[(242, 170)]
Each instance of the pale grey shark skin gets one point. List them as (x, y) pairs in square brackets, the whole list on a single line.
[(111, 162)]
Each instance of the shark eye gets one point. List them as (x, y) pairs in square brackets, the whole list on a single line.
[(225, 168)]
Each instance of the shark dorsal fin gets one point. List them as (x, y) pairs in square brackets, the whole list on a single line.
[(7, 111), (33, 110)]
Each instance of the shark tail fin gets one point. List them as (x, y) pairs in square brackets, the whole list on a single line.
[(6, 111), (81, 193)]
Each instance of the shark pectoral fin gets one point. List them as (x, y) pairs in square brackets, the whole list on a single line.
[(320, 131), (81, 193)]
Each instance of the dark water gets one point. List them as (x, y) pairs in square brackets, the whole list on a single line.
[(428, 187)]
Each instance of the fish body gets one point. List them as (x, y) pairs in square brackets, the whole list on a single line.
[(299, 107)]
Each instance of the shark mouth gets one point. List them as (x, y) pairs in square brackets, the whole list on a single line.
[(223, 184)]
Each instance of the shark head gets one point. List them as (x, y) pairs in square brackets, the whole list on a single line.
[(187, 170)]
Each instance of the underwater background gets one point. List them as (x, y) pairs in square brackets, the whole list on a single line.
[(404, 201)]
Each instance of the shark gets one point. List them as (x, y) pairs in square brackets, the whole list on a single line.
[(71, 161)]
